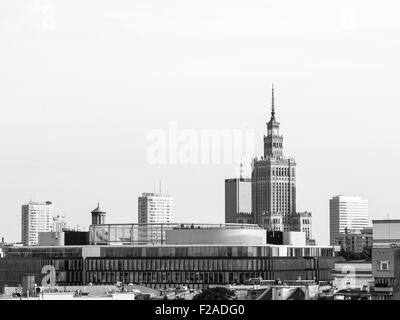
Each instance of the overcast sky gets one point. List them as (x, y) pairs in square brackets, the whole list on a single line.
[(82, 83)]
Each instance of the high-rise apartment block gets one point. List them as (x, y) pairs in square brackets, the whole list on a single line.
[(155, 208), (347, 214), (238, 201), (35, 217)]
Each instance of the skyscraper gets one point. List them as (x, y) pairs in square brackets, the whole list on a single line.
[(347, 214), (35, 217), (238, 201), (155, 208), (273, 181)]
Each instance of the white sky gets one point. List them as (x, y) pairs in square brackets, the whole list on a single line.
[(83, 82)]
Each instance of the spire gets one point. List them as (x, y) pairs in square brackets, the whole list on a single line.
[(273, 104)]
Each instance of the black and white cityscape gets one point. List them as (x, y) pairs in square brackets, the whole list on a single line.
[(213, 151)]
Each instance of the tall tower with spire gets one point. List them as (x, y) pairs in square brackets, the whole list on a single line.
[(273, 181), (273, 140)]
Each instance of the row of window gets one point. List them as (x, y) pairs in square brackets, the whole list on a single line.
[(194, 277), (200, 264), (279, 172)]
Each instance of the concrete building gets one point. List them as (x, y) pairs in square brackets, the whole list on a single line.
[(273, 178), (35, 217), (275, 237), (294, 238), (347, 214), (250, 235), (356, 242), (194, 256), (272, 221), (102, 292), (238, 201), (133, 233), (385, 233), (162, 266), (60, 223), (154, 208), (302, 221), (386, 259), (259, 289), (386, 273), (352, 275), (64, 238), (51, 239)]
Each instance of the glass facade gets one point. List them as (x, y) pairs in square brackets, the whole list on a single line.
[(197, 272), (167, 266), (151, 233)]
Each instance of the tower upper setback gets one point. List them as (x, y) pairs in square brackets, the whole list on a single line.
[(273, 140), (273, 181)]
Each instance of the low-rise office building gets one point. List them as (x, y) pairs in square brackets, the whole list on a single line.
[(135, 233), (385, 233), (386, 273), (355, 241), (165, 265), (64, 238), (294, 238), (190, 255), (352, 275), (230, 236), (386, 259)]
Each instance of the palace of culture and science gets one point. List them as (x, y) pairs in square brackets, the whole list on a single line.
[(269, 197)]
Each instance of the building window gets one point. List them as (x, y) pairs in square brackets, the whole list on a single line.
[(384, 265)]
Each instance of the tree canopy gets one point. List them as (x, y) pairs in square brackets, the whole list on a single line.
[(217, 293)]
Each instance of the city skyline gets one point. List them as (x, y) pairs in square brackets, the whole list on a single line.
[(74, 118)]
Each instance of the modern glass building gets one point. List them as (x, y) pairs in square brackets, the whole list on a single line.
[(162, 266), (347, 214), (150, 233), (238, 201)]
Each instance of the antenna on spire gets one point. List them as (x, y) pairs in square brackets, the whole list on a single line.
[(160, 186), (273, 102), (241, 169)]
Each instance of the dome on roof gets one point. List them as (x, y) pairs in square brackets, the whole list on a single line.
[(98, 210)]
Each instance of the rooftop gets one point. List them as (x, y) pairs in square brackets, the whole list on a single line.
[(386, 221), (98, 210)]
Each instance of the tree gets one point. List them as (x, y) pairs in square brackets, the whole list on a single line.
[(217, 293)]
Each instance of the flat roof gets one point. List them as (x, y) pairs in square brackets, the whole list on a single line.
[(386, 221), (238, 179), (171, 246)]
